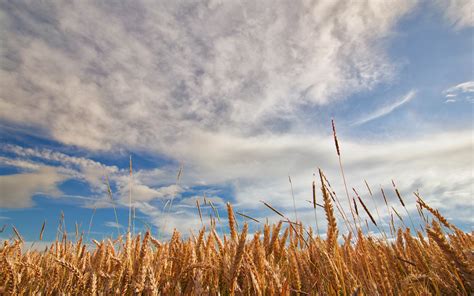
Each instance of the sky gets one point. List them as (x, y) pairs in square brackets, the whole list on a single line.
[(227, 100)]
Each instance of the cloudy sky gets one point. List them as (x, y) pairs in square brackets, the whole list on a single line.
[(233, 97)]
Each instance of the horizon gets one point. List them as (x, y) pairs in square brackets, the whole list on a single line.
[(232, 103)]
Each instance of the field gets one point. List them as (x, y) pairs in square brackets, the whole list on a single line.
[(153, 147), (285, 259)]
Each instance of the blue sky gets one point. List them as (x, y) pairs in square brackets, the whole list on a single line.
[(238, 95)]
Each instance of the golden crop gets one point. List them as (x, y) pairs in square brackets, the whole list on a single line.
[(286, 259)]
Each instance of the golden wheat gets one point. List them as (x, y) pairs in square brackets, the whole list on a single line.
[(288, 259)]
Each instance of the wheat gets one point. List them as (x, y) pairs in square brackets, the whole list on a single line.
[(332, 225), (282, 258), (231, 217)]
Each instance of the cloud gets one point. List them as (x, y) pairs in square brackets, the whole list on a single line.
[(183, 221), (465, 87), (59, 158), (113, 224), (463, 90), (199, 83), (79, 168), (191, 201), (387, 109), (18, 163), (438, 165), (104, 78), (457, 12), (93, 173), (16, 191), (218, 86), (141, 192)]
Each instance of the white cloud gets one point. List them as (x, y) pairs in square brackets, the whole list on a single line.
[(386, 109), (113, 224), (465, 87), (18, 163), (205, 84), (58, 157), (184, 80), (183, 221), (458, 12), (16, 191), (462, 91), (439, 165), (101, 77), (141, 192), (99, 202), (203, 200), (144, 185)]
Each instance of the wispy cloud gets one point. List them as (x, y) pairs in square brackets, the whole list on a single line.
[(35, 175), (191, 201), (113, 224), (261, 172), (463, 91), (457, 12), (386, 109), (153, 77), (200, 83), (465, 87)]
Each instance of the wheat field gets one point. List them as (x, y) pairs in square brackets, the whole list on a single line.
[(286, 258)]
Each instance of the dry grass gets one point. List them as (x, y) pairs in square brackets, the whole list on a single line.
[(285, 259)]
